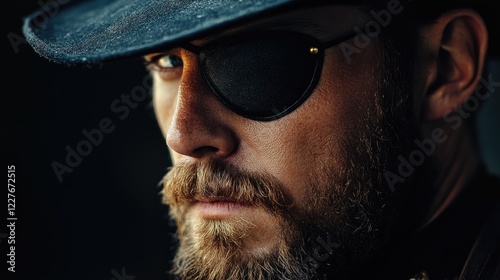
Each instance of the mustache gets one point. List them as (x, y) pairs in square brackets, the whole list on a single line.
[(214, 179)]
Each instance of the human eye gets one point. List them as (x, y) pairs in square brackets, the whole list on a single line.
[(168, 66)]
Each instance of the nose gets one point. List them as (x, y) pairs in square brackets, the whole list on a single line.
[(199, 127)]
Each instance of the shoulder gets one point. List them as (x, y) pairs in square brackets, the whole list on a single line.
[(483, 261)]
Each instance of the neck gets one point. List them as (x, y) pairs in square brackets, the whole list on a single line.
[(452, 167)]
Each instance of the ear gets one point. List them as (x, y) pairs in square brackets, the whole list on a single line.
[(456, 43)]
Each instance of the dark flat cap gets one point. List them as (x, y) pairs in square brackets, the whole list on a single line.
[(97, 30), (102, 30)]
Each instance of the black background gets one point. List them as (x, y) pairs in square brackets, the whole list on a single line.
[(106, 215)]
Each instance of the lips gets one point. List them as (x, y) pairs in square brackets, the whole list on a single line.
[(218, 208)]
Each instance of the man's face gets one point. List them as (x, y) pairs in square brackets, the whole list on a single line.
[(294, 197)]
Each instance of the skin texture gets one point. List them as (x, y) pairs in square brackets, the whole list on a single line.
[(328, 132), (452, 55), (198, 126)]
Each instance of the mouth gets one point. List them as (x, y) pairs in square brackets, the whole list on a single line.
[(218, 208)]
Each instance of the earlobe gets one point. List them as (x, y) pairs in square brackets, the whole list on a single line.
[(459, 55)]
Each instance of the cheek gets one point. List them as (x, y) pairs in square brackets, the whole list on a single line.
[(313, 140), (164, 101)]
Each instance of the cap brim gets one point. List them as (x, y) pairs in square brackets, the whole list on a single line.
[(97, 31)]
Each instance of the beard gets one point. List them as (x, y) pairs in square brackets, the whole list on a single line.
[(215, 249), (348, 215), (346, 219)]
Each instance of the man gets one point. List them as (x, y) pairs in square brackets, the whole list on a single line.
[(310, 140)]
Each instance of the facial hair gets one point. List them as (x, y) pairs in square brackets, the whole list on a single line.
[(347, 218), (348, 215), (214, 249)]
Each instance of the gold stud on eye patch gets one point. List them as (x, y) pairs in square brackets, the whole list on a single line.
[(313, 50)]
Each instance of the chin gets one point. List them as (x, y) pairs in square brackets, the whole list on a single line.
[(250, 232), (239, 247)]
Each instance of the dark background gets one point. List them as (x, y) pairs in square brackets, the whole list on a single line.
[(106, 215)]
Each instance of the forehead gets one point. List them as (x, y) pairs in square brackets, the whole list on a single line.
[(324, 22)]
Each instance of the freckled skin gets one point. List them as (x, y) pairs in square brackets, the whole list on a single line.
[(197, 125)]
